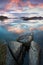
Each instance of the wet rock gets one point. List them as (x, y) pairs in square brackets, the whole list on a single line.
[(9, 59), (25, 38), (15, 47), (34, 54)]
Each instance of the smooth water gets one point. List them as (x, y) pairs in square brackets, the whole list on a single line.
[(10, 30)]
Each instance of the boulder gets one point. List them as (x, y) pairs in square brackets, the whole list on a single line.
[(26, 38), (34, 54), (13, 52), (15, 47)]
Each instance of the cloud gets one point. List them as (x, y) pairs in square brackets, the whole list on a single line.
[(23, 3), (3, 4), (21, 6)]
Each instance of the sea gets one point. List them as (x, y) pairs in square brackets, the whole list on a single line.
[(11, 29)]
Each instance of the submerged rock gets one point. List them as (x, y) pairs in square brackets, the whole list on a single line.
[(34, 54), (26, 38)]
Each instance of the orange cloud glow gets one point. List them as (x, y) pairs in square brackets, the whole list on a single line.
[(40, 5), (15, 1), (11, 4)]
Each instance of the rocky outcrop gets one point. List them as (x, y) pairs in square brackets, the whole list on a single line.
[(14, 48), (34, 50), (3, 17), (32, 18)]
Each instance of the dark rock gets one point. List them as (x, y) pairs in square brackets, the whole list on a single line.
[(3, 17), (31, 18)]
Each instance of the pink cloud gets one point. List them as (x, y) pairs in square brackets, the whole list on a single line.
[(22, 3), (41, 5)]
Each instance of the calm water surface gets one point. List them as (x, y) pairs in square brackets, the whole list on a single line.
[(11, 29)]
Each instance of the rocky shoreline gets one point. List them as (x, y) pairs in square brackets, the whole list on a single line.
[(32, 54)]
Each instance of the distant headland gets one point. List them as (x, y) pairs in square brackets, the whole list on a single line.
[(31, 18), (23, 18), (3, 17)]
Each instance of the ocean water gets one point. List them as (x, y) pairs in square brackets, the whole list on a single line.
[(17, 24), (11, 29)]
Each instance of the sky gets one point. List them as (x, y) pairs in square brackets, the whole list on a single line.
[(33, 7)]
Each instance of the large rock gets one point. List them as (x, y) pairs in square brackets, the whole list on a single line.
[(38, 38), (34, 54), (26, 38), (15, 48)]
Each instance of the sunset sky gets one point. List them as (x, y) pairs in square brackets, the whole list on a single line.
[(9, 7)]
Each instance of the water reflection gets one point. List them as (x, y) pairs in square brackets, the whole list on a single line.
[(19, 26)]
